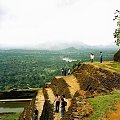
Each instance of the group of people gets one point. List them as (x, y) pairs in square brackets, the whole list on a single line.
[(64, 72), (60, 103), (92, 57)]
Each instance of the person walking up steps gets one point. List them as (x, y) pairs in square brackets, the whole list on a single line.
[(63, 104), (57, 104)]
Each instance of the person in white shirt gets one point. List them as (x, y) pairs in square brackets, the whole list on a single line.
[(69, 72), (91, 57), (57, 104)]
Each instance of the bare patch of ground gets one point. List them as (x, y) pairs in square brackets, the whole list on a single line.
[(72, 83), (114, 115)]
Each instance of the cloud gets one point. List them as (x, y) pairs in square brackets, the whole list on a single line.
[(65, 3), (1, 13), (30, 22)]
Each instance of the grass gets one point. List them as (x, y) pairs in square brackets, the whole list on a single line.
[(13, 116), (102, 104), (113, 66)]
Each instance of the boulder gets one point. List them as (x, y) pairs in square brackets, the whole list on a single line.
[(117, 56)]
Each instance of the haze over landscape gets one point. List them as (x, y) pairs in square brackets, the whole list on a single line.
[(52, 24)]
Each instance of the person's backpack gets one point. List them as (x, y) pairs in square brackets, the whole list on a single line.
[(65, 103)]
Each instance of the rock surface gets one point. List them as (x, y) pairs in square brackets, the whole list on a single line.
[(117, 56)]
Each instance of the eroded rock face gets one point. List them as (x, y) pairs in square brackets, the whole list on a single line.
[(93, 79), (79, 109), (117, 56)]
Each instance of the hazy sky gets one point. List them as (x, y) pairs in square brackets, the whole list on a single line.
[(31, 22)]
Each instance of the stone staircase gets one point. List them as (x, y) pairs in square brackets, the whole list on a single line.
[(71, 86)]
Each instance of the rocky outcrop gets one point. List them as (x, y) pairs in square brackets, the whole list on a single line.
[(79, 109), (93, 79), (117, 56)]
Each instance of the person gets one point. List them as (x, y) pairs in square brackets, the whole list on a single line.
[(101, 59), (57, 104), (36, 114), (91, 57), (69, 72), (63, 96), (62, 71), (63, 104)]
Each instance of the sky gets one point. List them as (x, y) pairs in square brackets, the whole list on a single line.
[(25, 23)]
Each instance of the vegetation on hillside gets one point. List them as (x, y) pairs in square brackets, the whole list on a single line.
[(117, 30), (32, 68)]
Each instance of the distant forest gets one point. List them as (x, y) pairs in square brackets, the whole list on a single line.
[(20, 69)]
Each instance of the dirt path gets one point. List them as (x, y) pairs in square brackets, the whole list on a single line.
[(114, 115), (73, 84), (50, 95), (39, 102)]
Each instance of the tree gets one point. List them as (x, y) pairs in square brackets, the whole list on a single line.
[(117, 30)]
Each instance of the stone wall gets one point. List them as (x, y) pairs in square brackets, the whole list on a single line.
[(47, 113), (28, 112)]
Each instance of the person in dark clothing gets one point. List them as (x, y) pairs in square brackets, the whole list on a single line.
[(101, 57), (36, 114), (64, 72), (63, 104)]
